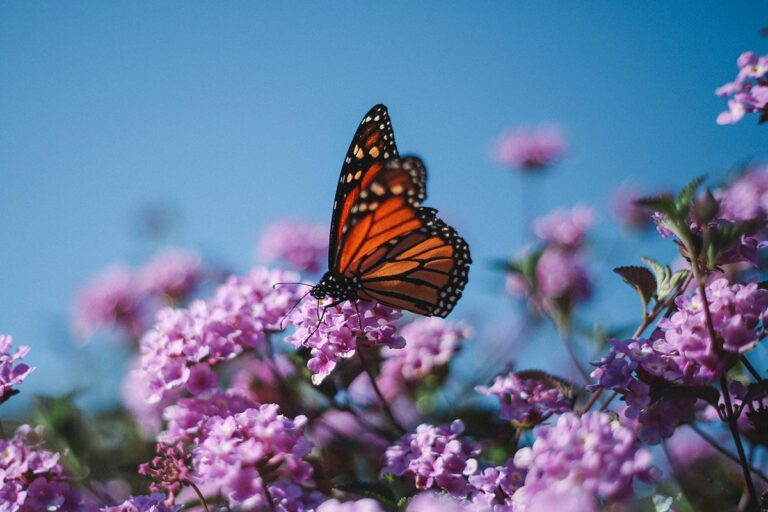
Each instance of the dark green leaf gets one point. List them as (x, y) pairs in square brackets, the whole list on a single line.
[(724, 236), (662, 203), (642, 280), (684, 198)]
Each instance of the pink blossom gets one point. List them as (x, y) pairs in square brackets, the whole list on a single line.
[(530, 149), (295, 243)]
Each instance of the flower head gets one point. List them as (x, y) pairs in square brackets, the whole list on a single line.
[(565, 228), (12, 372), (593, 453), (111, 299), (530, 149), (334, 333), (253, 452), (32, 478), (528, 398), (173, 274), (364, 505), (748, 93), (169, 469), (298, 244), (434, 457)]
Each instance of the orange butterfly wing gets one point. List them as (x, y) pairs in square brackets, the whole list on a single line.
[(396, 252)]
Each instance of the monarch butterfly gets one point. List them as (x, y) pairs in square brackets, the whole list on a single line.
[(383, 245)]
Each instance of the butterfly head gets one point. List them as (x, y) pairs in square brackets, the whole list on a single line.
[(331, 285)]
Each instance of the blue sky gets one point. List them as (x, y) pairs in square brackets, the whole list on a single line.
[(234, 114)]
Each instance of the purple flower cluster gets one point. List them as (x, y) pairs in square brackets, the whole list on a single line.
[(592, 453), (255, 452), (435, 457), (169, 470), (12, 373), (295, 243), (639, 371), (495, 486), (430, 344), (123, 298), (334, 333), (526, 401), (530, 149), (151, 503), (32, 478), (184, 343), (184, 419), (737, 312), (748, 92)]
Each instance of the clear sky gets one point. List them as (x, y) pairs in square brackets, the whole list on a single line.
[(236, 113)]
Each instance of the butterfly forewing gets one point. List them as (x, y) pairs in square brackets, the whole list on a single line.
[(372, 145)]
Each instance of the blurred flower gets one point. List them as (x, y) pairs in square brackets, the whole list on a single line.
[(560, 275), (295, 243), (333, 334), (12, 373), (590, 456), (525, 399), (746, 196), (562, 496), (564, 228), (340, 428), (254, 452), (748, 92), (111, 299), (134, 392), (173, 274), (364, 505), (169, 470), (32, 478), (530, 149), (152, 503), (434, 457), (430, 344)]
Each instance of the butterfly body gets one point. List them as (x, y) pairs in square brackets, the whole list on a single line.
[(384, 246)]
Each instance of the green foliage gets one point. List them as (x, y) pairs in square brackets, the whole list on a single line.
[(667, 282), (642, 280), (726, 235)]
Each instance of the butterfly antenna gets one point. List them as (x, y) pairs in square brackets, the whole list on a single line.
[(321, 317), (285, 284), (292, 308), (359, 319)]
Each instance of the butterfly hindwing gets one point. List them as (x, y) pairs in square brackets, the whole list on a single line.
[(424, 270)]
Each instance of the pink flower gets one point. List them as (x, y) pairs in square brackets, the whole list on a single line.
[(111, 299), (295, 243), (530, 149), (173, 274), (565, 228), (332, 334), (12, 373), (749, 92)]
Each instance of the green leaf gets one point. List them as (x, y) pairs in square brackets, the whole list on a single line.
[(642, 280), (684, 198), (661, 203), (666, 282), (376, 490)]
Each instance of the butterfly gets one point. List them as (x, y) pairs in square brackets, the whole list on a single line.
[(384, 246)]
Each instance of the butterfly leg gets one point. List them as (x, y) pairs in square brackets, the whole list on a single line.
[(320, 318)]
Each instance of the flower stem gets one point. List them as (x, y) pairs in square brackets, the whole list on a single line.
[(751, 369), (384, 403), (199, 494)]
